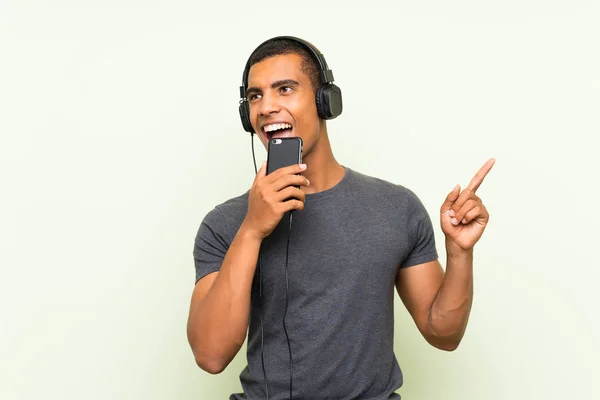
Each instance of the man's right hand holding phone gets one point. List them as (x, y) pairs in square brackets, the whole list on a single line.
[(271, 196)]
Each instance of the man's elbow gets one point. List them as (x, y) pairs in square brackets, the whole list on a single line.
[(449, 342), (209, 361), (213, 367), (446, 336), (211, 358), (212, 354), (446, 345)]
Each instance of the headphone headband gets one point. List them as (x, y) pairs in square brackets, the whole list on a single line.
[(325, 74)]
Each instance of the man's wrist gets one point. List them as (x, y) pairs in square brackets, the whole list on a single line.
[(247, 233), (456, 253)]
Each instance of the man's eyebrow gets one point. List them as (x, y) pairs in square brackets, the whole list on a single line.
[(279, 83), (284, 82)]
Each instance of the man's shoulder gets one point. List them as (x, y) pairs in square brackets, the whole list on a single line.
[(377, 196), (227, 215), (378, 188), (234, 205)]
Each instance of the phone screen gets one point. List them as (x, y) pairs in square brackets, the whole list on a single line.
[(283, 152)]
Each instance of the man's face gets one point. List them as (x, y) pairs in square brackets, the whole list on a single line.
[(282, 100)]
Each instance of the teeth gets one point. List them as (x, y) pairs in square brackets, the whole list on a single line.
[(274, 127)]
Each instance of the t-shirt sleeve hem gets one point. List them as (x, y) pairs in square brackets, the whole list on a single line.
[(420, 259), (211, 244), (206, 270)]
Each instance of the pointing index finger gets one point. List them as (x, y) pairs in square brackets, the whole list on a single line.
[(480, 175)]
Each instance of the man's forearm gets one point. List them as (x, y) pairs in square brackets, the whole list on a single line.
[(218, 324), (450, 310)]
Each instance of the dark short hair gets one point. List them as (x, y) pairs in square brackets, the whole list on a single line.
[(276, 47)]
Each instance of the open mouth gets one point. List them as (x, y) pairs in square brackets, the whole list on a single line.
[(277, 130)]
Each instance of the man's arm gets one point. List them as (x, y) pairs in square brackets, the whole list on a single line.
[(220, 306), (439, 303)]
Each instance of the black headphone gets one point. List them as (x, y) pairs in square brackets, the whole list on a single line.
[(328, 95)]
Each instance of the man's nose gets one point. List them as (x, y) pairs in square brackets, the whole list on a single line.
[(268, 104)]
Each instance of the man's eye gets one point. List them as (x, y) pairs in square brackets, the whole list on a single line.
[(286, 89), (253, 97)]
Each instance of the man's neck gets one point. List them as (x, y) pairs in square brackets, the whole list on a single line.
[(323, 171)]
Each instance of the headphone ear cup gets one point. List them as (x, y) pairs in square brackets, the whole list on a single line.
[(319, 98), (244, 110), (329, 101)]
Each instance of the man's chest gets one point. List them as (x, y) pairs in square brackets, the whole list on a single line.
[(330, 251)]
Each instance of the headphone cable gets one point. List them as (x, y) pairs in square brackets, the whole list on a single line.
[(287, 249), (262, 333)]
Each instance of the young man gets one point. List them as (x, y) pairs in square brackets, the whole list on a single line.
[(354, 239)]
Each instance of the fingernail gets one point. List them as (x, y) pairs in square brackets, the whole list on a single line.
[(452, 213), (464, 221), (454, 221), (302, 166), (307, 182)]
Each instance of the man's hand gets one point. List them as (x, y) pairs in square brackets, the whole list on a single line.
[(463, 215), (271, 196)]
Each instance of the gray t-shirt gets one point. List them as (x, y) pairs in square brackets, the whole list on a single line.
[(345, 250)]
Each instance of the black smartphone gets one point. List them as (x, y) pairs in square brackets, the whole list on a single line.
[(283, 152)]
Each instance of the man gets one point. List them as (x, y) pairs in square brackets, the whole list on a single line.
[(354, 238)]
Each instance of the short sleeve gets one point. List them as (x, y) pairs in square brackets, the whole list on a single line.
[(211, 244), (420, 232)]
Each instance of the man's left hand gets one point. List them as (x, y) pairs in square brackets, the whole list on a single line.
[(463, 215)]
